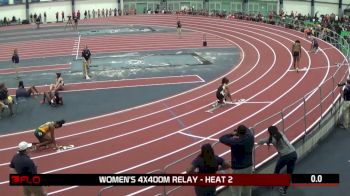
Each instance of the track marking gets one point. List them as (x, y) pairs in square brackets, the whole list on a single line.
[(313, 68), (238, 102), (327, 48), (178, 119), (197, 136), (77, 52)]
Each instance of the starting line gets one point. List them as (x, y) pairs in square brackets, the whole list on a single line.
[(63, 148), (305, 69), (238, 102)]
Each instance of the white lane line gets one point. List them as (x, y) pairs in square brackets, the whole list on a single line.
[(197, 136), (77, 53)]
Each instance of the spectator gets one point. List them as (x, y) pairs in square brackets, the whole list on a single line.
[(5, 99), (45, 17), (103, 13), (78, 15), (93, 13), (38, 21), (346, 106), (85, 14), (31, 18), (15, 61), (207, 163), (21, 163), (241, 142), (98, 13), (89, 14), (22, 92), (76, 19), (314, 45), (59, 84), (56, 16), (286, 152), (62, 14), (178, 27), (115, 11), (5, 21), (46, 133)]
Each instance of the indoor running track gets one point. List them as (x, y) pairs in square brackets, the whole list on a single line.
[(150, 136)]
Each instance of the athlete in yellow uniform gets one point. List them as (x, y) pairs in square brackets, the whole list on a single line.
[(46, 133)]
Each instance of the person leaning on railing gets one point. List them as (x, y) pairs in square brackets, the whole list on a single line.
[(346, 106), (286, 152)]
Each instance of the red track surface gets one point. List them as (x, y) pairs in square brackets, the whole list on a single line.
[(148, 137)]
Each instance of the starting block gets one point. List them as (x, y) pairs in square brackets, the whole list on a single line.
[(235, 102), (63, 148), (216, 105)]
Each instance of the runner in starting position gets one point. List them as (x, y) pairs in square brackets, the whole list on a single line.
[(46, 133), (223, 92)]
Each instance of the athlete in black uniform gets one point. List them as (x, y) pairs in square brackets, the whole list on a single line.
[(223, 91), (178, 28), (86, 54), (314, 45)]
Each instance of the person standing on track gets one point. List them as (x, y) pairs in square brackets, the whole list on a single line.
[(241, 141), (223, 92), (46, 133), (286, 151), (314, 45), (21, 163), (296, 52), (207, 163), (86, 56), (178, 28), (15, 61)]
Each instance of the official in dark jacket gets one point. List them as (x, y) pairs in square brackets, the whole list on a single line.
[(241, 141), (21, 163), (346, 106)]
